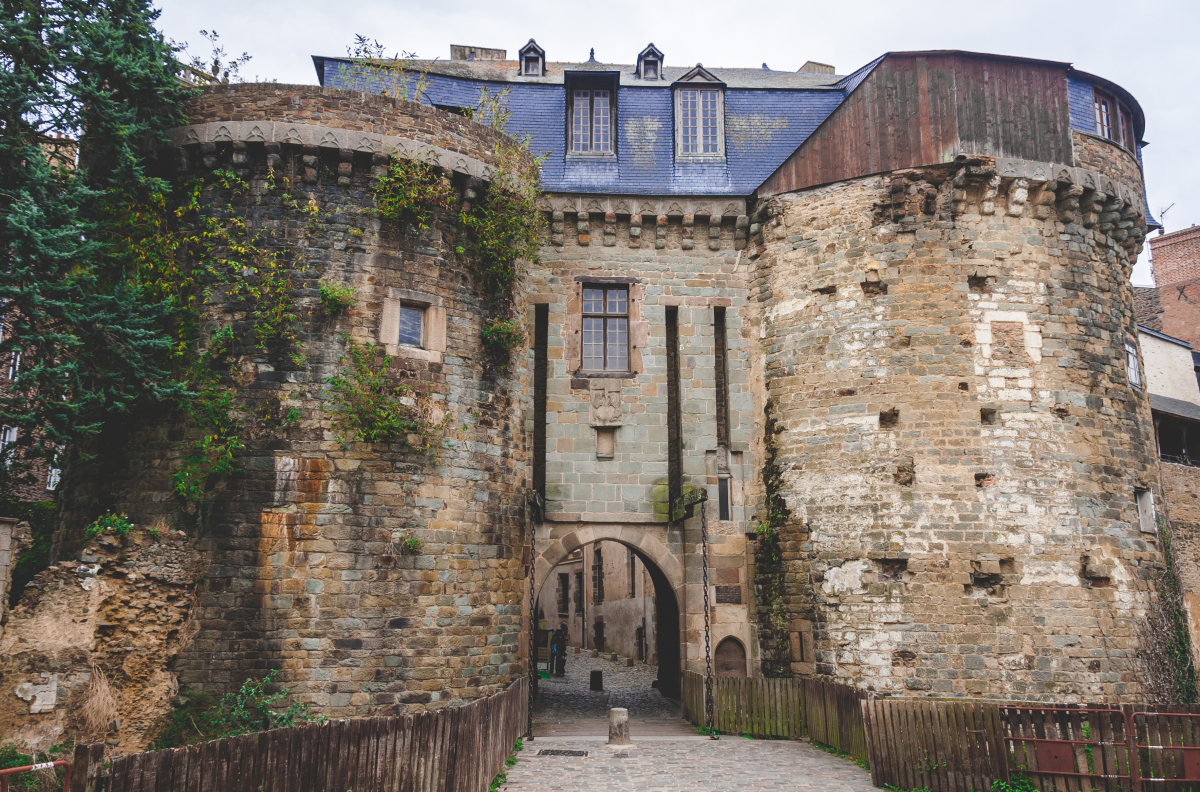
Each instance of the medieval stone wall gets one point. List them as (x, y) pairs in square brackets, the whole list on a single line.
[(959, 445), (1181, 490), (123, 606), (687, 255), (307, 568)]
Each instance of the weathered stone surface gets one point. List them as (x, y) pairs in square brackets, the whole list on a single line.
[(1019, 438)]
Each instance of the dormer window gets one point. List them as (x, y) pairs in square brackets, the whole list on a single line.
[(532, 59), (699, 117), (591, 119), (649, 63)]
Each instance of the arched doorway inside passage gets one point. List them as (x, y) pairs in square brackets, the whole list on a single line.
[(665, 574)]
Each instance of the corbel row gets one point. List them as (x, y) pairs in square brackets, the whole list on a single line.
[(608, 238)]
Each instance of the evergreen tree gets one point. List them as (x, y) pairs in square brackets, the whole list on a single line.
[(87, 93)]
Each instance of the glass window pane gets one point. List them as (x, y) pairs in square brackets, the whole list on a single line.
[(618, 301), (580, 131), (708, 120), (688, 143), (593, 301), (600, 121), (412, 320), (618, 340), (593, 344)]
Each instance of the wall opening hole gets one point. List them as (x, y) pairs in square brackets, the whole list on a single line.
[(889, 419), (873, 288), (892, 568), (984, 480), (826, 290), (905, 472), (979, 283), (1060, 411), (964, 387), (989, 417), (848, 392)]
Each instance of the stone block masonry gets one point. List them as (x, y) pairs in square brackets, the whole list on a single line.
[(959, 443), (307, 569)]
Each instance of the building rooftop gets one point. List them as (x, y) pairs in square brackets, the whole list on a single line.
[(508, 71)]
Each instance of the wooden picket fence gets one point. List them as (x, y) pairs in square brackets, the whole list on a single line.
[(781, 708), (456, 749), (959, 746)]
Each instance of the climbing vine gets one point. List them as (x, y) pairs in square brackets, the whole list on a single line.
[(222, 281), (1166, 647), (412, 190), (370, 405), (769, 566)]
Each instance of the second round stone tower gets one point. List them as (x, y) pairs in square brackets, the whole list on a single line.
[(958, 432)]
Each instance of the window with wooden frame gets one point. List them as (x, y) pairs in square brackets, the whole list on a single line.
[(591, 119), (564, 587), (700, 113), (605, 328), (1114, 120)]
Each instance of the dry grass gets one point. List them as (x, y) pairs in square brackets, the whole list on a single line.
[(98, 707)]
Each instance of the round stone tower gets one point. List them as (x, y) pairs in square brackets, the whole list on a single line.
[(957, 422), (375, 576)]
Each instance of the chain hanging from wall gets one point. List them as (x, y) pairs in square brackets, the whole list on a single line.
[(681, 509), (708, 675)]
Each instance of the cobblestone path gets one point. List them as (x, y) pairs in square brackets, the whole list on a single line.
[(688, 764), (567, 706)]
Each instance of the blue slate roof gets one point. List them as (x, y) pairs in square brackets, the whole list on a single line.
[(767, 116)]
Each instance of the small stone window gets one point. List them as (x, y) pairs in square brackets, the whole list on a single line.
[(650, 69), (1133, 365), (532, 68), (591, 120), (1145, 507), (412, 325), (605, 328)]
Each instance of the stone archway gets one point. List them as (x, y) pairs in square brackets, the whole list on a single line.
[(665, 570)]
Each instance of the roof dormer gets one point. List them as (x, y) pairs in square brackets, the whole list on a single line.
[(532, 59), (650, 63)]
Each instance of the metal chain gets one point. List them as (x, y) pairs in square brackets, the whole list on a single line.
[(708, 681), (533, 517)]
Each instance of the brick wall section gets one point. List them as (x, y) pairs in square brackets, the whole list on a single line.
[(1176, 256), (944, 554), (306, 573)]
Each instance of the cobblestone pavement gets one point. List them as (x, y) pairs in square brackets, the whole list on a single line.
[(569, 700), (685, 765)]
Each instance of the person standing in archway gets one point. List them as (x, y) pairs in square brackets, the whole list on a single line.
[(558, 649)]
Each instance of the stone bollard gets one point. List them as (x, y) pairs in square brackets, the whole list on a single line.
[(597, 680), (629, 662), (618, 726)]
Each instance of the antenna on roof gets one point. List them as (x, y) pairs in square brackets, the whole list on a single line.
[(1162, 223)]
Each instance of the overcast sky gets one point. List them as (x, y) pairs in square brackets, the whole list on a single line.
[(1149, 47)]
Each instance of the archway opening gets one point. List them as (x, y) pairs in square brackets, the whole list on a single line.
[(730, 658), (608, 606)]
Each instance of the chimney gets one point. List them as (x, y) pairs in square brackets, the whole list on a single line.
[(462, 52), (812, 67)]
